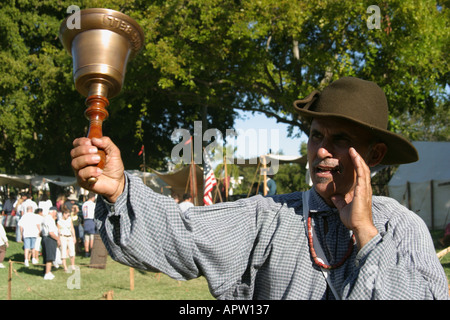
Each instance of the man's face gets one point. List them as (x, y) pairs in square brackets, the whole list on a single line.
[(332, 169)]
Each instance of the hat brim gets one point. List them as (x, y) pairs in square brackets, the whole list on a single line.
[(400, 150)]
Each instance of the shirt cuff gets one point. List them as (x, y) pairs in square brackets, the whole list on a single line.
[(111, 206)]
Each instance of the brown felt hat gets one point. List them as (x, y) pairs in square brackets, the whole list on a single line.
[(364, 103)]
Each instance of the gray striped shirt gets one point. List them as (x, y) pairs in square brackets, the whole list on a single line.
[(257, 248)]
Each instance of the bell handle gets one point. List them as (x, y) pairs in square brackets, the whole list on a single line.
[(96, 113)]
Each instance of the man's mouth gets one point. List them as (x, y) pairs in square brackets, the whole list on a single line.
[(327, 169)]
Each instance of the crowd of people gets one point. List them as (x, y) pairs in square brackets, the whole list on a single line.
[(56, 232)]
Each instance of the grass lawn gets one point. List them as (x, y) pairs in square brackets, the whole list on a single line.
[(28, 283)]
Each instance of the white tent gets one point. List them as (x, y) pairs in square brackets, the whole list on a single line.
[(424, 186), (37, 181)]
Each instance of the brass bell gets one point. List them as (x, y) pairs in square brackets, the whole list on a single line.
[(100, 49)]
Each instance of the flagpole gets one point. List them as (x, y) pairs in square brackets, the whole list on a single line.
[(143, 161), (207, 180), (225, 179), (193, 176), (265, 175)]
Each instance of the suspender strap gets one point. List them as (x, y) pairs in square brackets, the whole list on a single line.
[(317, 247)]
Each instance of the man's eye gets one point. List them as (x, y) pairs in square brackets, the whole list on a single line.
[(342, 141)]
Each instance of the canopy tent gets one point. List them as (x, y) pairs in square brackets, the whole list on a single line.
[(179, 181), (37, 181), (271, 159), (152, 180), (424, 186)]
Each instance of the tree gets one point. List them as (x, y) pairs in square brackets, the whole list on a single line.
[(204, 59)]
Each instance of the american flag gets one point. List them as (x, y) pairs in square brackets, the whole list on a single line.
[(209, 179)]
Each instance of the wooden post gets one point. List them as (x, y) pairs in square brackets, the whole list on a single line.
[(193, 176), (225, 180), (265, 175), (442, 253), (408, 192), (98, 254), (109, 295), (9, 279), (432, 203), (131, 279)]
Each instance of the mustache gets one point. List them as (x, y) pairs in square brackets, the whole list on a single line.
[(331, 163), (327, 164)]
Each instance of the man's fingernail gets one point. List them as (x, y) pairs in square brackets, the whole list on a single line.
[(96, 158), (93, 150)]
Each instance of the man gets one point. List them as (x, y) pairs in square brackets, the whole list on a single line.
[(88, 210), (186, 203), (335, 241), (271, 187), (29, 202), (30, 228), (20, 211), (7, 210), (50, 242)]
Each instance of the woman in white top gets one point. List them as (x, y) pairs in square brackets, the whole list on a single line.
[(67, 236)]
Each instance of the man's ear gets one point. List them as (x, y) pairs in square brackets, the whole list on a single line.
[(377, 154)]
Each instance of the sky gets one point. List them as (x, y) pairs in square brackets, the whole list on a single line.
[(262, 135)]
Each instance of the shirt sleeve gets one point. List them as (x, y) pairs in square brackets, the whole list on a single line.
[(148, 231), (399, 263)]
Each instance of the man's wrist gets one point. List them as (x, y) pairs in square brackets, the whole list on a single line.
[(363, 236), (119, 191)]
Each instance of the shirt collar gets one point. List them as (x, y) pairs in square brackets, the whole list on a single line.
[(318, 205)]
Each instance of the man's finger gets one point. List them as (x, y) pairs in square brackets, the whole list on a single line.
[(81, 142), (361, 168), (83, 150), (83, 161)]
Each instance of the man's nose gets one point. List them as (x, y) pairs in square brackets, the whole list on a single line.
[(325, 149)]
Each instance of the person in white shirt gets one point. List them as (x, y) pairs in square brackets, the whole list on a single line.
[(29, 202), (30, 229), (88, 210), (187, 202), (20, 211), (67, 237), (45, 203), (3, 245), (50, 242), (39, 215)]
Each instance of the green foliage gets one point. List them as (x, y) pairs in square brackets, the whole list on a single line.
[(204, 59), (291, 178)]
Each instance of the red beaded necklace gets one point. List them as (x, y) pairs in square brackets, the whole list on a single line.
[(314, 255)]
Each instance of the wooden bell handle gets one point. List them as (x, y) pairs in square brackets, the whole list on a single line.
[(96, 113)]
